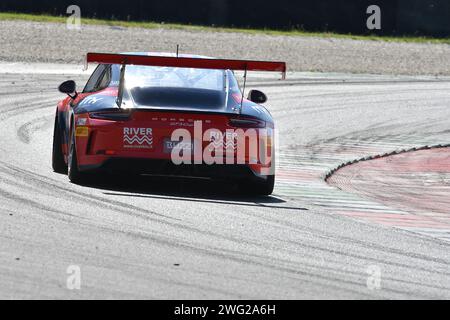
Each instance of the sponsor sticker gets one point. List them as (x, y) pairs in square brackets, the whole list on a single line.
[(81, 131), (92, 100), (227, 140), (81, 121), (138, 138)]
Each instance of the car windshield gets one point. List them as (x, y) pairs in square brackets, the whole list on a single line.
[(175, 87)]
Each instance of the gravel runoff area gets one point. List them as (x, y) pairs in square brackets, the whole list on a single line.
[(54, 42)]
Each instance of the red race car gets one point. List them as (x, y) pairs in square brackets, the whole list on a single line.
[(162, 114)]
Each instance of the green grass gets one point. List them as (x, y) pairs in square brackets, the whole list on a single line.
[(155, 25)]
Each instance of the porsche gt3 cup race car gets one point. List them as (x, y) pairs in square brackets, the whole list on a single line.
[(163, 114)]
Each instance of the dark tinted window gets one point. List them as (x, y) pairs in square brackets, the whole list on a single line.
[(178, 97), (105, 79), (93, 80)]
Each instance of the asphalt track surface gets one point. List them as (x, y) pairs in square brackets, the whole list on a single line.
[(152, 238)]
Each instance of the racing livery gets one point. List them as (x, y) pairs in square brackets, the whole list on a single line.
[(138, 112)]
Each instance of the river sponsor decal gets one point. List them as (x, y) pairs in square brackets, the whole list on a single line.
[(243, 146), (137, 138)]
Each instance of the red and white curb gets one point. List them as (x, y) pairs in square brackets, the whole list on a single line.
[(303, 175)]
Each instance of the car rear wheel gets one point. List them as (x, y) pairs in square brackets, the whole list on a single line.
[(58, 163), (73, 172), (259, 187)]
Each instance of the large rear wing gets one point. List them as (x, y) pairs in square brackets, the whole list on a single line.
[(183, 62)]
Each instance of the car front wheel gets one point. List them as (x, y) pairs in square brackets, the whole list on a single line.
[(58, 163)]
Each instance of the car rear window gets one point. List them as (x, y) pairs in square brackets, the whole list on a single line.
[(176, 87), (178, 97)]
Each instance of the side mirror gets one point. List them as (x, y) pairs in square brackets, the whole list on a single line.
[(257, 96), (69, 87)]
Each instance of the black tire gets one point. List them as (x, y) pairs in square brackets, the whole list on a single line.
[(74, 174), (58, 163), (259, 187)]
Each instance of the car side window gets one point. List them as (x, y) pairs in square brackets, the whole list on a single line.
[(105, 79), (94, 79)]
